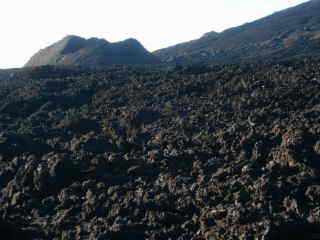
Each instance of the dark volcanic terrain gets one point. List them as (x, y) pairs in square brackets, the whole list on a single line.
[(293, 32), (211, 152)]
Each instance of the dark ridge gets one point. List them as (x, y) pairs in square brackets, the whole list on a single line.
[(290, 33), (93, 52)]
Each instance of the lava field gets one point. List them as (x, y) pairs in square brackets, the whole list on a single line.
[(186, 153)]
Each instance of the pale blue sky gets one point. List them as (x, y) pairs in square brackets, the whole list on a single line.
[(28, 25)]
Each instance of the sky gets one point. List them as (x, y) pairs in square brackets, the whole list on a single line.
[(29, 25)]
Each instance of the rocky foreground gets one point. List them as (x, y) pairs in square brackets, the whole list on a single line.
[(228, 152)]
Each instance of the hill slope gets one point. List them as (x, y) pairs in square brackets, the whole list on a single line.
[(289, 33), (93, 52)]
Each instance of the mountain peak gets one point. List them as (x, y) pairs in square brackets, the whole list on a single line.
[(134, 43), (133, 40), (211, 34), (92, 52), (72, 37), (70, 44)]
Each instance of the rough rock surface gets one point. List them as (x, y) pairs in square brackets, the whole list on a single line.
[(203, 153)]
